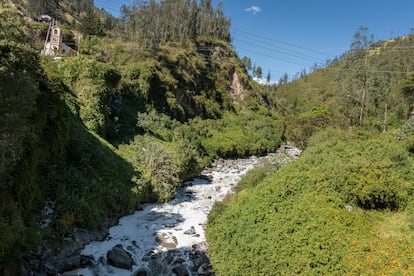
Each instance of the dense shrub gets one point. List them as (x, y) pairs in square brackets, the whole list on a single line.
[(93, 83), (32, 129), (319, 214), (90, 181), (157, 124), (301, 128), (242, 134), (371, 172)]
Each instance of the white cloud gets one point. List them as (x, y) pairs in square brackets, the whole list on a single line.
[(253, 9)]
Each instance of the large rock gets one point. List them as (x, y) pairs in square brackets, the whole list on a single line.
[(62, 263), (190, 231), (120, 258), (181, 270), (167, 240)]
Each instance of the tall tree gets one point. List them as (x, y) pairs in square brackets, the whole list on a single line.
[(152, 22), (247, 63), (91, 24), (407, 89), (50, 7), (259, 72), (284, 79), (268, 78), (356, 76)]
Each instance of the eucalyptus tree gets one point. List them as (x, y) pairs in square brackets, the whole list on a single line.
[(268, 78), (247, 63), (355, 77), (152, 22), (407, 89), (259, 72), (37, 7), (91, 24)]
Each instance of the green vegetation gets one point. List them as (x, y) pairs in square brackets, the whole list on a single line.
[(157, 94), (47, 153), (118, 125), (296, 220), (346, 206)]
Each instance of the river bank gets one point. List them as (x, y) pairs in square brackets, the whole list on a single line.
[(169, 239)]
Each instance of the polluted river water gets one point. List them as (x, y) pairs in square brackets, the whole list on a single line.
[(168, 238)]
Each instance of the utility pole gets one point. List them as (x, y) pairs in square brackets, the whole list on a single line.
[(47, 38), (78, 42), (385, 118), (364, 89)]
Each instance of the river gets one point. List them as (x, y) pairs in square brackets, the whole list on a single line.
[(169, 238)]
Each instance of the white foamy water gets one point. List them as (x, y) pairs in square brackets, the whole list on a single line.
[(178, 224)]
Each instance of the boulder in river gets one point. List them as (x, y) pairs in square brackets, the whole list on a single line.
[(190, 231), (167, 240), (120, 258)]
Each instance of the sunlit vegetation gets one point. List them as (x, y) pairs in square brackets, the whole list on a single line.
[(344, 207), (157, 94), (64, 139)]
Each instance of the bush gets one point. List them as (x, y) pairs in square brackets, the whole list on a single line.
[(159, 166), (368, 171), (242, 134), (301, 128), (93, 83), (344, 207)]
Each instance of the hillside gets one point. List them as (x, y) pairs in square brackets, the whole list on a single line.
[(346, 206), (365, 87), (386, 62), (154, 96), (88, 138)]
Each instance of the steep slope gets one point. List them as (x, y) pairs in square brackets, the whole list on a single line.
[(47, 155), (360, 89), (345, 207), (168, 111)]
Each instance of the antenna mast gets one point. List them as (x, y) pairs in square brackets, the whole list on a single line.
[(47, 37)]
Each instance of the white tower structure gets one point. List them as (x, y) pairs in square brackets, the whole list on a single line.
[(55, 47)]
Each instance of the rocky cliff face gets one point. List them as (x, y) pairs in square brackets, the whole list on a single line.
[(237, 90)]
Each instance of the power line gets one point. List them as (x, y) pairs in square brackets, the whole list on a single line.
[(281, 49), (282, 42), (273, 57), (370, 71), (282, 52), (267, 43)]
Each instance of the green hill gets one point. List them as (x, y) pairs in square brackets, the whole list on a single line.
[(364, 88), (152, 97), (346, 205), (122, 123)]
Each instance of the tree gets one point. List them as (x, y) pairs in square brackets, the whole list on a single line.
[(247, 63), (356, 77), (268, 78), (150, 23), (407, 89), (91, 24), (37, 7), (284, 79), (259, 72)]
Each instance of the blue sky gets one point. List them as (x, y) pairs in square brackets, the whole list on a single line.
[(284, 36)]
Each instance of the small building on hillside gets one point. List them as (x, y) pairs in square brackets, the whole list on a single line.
[(54, 46)]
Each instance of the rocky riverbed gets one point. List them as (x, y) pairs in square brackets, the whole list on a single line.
[(169, 239)]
